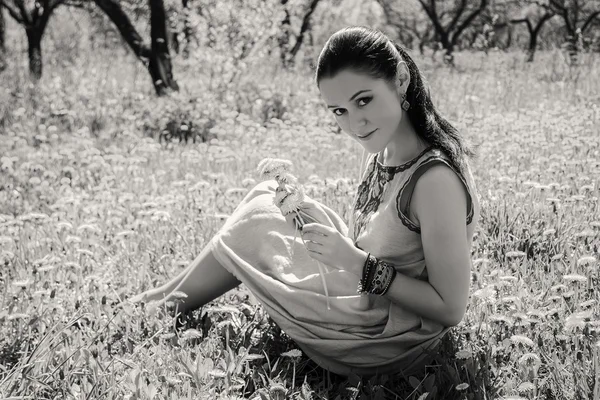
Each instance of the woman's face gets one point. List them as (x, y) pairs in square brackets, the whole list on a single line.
[(367, 109)]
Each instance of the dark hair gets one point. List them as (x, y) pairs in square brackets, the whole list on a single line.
[(369, 51)]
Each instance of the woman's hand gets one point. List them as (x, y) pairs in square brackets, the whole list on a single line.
[(327, 245)]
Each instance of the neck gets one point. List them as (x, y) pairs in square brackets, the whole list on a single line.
[(405, 146)]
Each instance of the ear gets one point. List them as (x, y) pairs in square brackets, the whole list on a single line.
[(402, 78)]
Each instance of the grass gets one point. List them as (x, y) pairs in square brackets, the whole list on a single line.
[(95, 209)]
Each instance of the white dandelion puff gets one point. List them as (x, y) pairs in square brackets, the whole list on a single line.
[(586, 260)]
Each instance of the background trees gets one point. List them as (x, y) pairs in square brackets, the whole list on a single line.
[(222, 35)]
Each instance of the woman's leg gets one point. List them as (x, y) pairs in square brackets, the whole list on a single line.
[(202, 281)]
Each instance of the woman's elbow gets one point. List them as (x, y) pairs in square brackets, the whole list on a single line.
[(453, 317)]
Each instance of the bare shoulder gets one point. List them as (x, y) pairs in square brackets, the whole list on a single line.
[(438, 192)]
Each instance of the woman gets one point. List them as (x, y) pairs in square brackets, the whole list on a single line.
[(398, 276)]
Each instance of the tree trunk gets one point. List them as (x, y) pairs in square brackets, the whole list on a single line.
[(305, 26), (34, 39), (283, 38), (160, 66), (156, 58), (2, 41), (2, 31), (187, 27), (532, 46)]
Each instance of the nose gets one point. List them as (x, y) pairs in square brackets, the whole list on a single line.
[(357, 123)]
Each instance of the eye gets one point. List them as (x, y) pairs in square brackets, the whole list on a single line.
[(336, 111), (367, 100)]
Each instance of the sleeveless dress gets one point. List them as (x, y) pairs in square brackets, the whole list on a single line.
[(360, 334)]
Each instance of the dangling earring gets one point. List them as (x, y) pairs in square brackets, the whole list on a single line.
[(405, 103)]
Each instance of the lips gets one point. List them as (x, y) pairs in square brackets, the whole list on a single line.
[(367, 135)]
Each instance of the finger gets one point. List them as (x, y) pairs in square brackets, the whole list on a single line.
[(316, 228), (315, 237)]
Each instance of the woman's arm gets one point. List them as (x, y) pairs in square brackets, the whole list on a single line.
[(446, 248)]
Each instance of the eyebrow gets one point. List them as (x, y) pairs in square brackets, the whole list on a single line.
[(353, 97)]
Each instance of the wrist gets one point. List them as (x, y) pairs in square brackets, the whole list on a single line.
[(361, 257)]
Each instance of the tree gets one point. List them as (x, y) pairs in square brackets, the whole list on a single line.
[(288, 54), (534, 17), (450, 18), (35, 20), (410, 25), (155, 57), (2, 40), (578, 16)]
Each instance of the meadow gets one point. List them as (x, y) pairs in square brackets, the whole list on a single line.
[(94, 208)]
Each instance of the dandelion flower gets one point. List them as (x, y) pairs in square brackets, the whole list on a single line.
[(520, 339), (575, 278), (191, 334), (515, 254), (462, 386), (272, 168), (23, 283), (463, 354), (530, 360), (294, 353), (526, 387), (586, 260), (277, 392)]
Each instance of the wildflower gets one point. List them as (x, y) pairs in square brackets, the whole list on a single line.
[(277, 392), (217, 373), (587, 303), (191, 334), (530, 360), (575, 321), (526, 387), (575, 278), (519, 339), (22, 284), (515, 254), (252, 357), (272, 168), (462, 386), (586, 260), (463, 354), (18, 316), (294, 353)]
